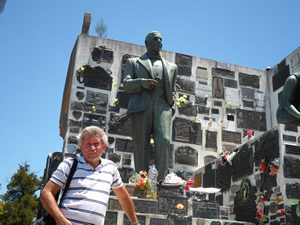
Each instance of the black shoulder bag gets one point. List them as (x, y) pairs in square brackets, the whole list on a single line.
[(48, 219)]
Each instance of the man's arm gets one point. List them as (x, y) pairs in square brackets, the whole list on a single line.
[(126, 203), (49, 203)]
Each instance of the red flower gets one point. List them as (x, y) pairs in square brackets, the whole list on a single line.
[(264, 198), (190, 181), (249, 133), (281, 213), (186, 187), (263, 166)]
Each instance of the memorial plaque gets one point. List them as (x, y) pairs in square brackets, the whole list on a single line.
[(232, 96), (209, 159), (203, 90), (123, 99), (77, 114), (280, 77), (223, 177), (244, 203), (203, 110), (96, 101), (208, 210), (222, 72), (291, 167), (201, 72), (173, 219), (267, 147), (228, 148), (167, 205), (126, 173), (200, 100), (292, 149), (101, 54), (111, 218), (183, 85), (145, 206), (291, 127), (77, 106), (249, 80), (141, 219), (251, 120), (211, 139), (219, 199), (209, 178), (292, 190), (187, 131), (80, 95), (120, 124), (218, 87), (230, 83), (95, 120), (73, 123), (218, 103), (124, 145), (95, 77), (242, 163), (184, 64), (289, 138), (114, 157), (72, 140), (186, 155), (223, 65), (214, 111), (126, 159), (248, 93), (188, 109), (157, 221), (248, 104), (230, 136), (267, 181)]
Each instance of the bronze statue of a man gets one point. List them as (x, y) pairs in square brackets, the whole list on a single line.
[(288, 111), (150, 81)]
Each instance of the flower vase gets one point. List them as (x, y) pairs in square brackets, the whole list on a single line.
[(173, 219)]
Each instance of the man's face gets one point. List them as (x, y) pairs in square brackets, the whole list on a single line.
[(92, 149), (154, 43)]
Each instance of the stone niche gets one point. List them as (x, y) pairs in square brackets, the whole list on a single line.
[(96, 100), (211, 139), (251, 120), (188, 109), (293, 190), (242, 163), (218, 87), (292, 149), (183, 85), (184, 64), (95, 77), (187, 131), (101, 54), (230, 83), (208, 210), (120, 124), (124, 145), (291, 167), (186, 155), (249, 80), (95, 120), (267, 147), (280, 77)]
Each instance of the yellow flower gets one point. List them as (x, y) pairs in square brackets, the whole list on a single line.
[(179, 206), (114, 84)]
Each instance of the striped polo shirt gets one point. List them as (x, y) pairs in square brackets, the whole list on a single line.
[(87, 198)]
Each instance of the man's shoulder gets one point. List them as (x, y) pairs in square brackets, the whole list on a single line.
[(107, 162)]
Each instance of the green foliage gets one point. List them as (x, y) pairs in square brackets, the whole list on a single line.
[(20, 202)]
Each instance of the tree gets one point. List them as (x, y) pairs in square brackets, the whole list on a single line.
[(20, 200), (101, 28)]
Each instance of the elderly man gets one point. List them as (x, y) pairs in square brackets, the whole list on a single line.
[(150, 81), (87, 197)]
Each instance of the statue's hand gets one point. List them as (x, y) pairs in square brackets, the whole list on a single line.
[(149, 83)]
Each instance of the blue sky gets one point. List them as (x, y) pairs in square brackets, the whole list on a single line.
[(37, 37)]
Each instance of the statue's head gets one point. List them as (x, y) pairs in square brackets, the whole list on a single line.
[(153, 42)]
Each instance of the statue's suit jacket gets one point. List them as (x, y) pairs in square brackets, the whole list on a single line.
[(138, 68)]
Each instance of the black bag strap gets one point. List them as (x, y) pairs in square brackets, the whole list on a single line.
[(72, 171)]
